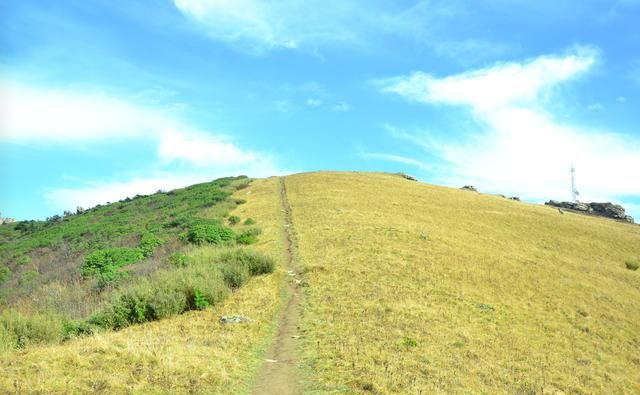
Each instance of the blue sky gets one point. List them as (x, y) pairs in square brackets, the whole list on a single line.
[(100, 100)]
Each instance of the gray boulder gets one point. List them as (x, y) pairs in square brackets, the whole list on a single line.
[(234, 319), (607, 209)]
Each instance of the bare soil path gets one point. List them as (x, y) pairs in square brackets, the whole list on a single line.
[(279, 374)]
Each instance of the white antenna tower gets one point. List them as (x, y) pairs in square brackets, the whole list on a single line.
[(574, 191)]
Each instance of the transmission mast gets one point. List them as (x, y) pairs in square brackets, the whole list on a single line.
[(574, 191)]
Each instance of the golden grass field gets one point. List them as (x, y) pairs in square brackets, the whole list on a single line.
[(192, 353), (418, 289)]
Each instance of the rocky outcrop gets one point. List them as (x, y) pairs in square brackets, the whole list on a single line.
[(469, 188), (407, 177), (607, 209)]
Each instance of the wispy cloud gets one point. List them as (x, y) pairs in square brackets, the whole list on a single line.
[(37, 114), (33, 114), (341, 107), (516, 143), (256, 26), (313, 102), (41, 115), (397, 158)]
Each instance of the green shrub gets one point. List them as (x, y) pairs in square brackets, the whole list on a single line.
[(199, 300), (235, 275), (234, 220), (106, 263), (19, 331), (23, 260), (250, 221), (5, 274), (75, 328), (148, 242), (249, 236), (239, 201), (209, 233), (28, 277), (168, 302), (255, 262), (179, 259), (407, 343), (164, 294), (632, 265)]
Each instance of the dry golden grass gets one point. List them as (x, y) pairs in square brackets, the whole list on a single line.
[(192, 353), (417, 289)]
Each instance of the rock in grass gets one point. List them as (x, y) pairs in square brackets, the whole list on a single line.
[(234, 319), (469, 188), (407, 176)]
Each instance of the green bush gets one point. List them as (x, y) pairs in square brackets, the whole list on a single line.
[(234, 220), (235, 275), (148, 242), (19, 331), (255, 262), (164, 294), (28, 277), (209, 233), (23, 260), (248, 236), (632, 265), (5, 274), (199, 300), (250, 221), (104, 265), (75, 328), (179, 259)]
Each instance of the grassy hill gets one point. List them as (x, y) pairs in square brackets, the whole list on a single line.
[(408, 288), (416, 289)]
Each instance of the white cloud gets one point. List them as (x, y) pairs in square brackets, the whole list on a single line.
[(34, 114), (518, 145), (397, 158), (314, 102), (30, 113), (595, 107), (201, 149), (341, 107), (496, 87), (258, 26)]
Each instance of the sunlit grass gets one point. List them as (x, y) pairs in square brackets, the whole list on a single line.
[(416, 289)]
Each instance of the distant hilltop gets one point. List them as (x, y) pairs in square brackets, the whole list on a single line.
[(607, 209)]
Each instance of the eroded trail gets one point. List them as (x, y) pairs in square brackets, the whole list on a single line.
[(279, 374)]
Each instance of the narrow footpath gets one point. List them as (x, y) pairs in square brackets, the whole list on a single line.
[(278, 374)]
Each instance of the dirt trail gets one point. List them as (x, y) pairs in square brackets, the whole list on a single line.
[(278, 374)]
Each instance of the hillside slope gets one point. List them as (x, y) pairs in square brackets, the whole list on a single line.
[(189, 353), (416, 289), (407, 288)]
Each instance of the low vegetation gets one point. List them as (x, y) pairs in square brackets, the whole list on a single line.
[(190, 352), (102, 278)]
